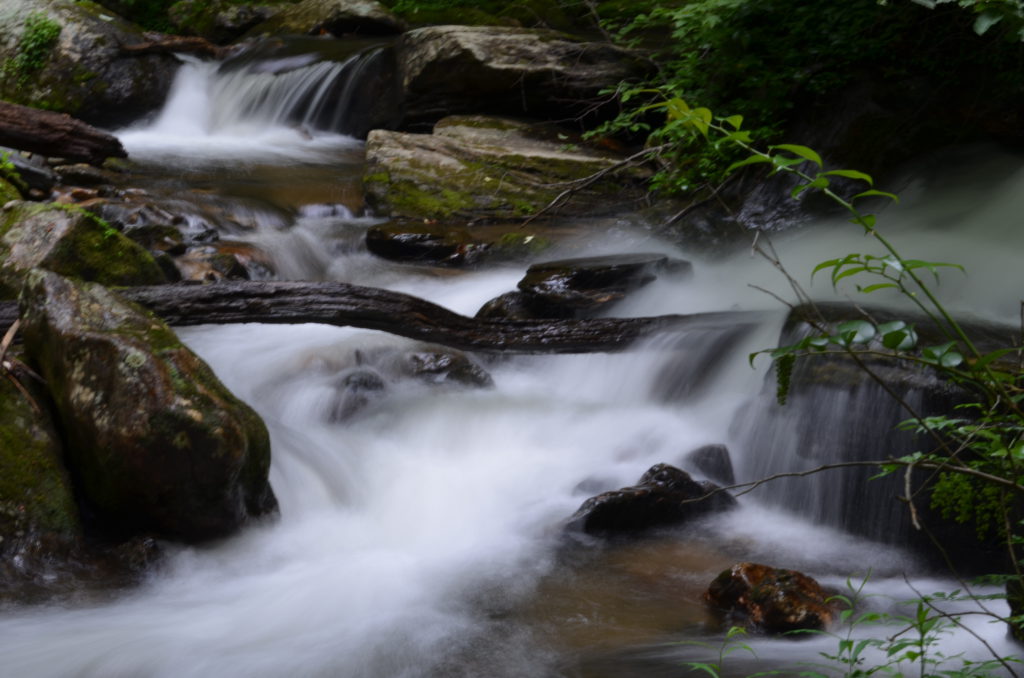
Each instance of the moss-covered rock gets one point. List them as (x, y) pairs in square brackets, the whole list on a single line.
[(71, 242), (8, 192), (36, 499), (337, 17), (65, 56), (156, 442), (476, 167), (220, 21)]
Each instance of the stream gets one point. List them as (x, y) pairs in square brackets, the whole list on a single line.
[(422, 536)]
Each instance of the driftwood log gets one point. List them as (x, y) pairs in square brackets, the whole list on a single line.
[(55, 134), (159, 43), (334, 303)]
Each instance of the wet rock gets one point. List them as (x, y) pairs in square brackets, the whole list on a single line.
[(714, 462), (770, 600), (439, 365), (155, 441), (424, 242), (32, 170), (82, 174), (480, 168), (208, 264), (506, 71), (220, 22), (355, 389), (71, 242), (36, 497), (82, 71), (519, 306), (590, 283), (336, 17), (664, 496)]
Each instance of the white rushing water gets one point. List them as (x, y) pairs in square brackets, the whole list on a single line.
[(414, 537)]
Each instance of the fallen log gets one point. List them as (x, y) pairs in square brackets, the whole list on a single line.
[(341, 304), (55, 134), (177, 44)]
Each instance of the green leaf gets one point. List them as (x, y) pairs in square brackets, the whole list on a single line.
[(752, 160), (852, 174), (858, 331), (736, 121), (865, 220), (802, 151), (987, 20), (868, 289), (873, 192), (986, 359), (817, 183)]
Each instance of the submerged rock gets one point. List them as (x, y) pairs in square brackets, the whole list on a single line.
[(66, 56), (770, 599), (155, 441), (714, 462), (506, 71), (71, 242), (665, 495), (484, 168)]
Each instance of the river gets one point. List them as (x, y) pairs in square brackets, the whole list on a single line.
[(422, 536)]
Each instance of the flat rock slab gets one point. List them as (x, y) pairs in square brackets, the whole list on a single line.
[(475, 167)]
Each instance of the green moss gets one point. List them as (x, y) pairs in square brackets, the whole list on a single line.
[(8, 192), (35, 493)]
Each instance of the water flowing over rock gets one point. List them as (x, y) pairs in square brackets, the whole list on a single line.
[(336, 17), (492, 168), (155, 440), (665, 495), (581, 288), (770, 599), (83, 72), (71, 242), (512, 71)]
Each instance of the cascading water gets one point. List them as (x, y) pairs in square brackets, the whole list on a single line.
[(421, 536)]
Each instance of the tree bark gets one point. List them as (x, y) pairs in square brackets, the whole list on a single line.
[(55, 134), (177, 44), (345, 305)]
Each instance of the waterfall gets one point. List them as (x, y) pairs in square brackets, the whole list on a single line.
[(422, 536)]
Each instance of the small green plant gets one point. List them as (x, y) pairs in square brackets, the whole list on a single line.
[(731, 644), (34, 47)]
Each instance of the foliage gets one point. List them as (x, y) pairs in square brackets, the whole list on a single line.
[(37, 40), (1006, 16)]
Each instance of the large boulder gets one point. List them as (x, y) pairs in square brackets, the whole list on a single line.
[(510, 71), (66, 56), (219, 21), (770, 599), (475, 167), (665, 495), (36, 498), (71, 242), (154, 439), (336, 17)]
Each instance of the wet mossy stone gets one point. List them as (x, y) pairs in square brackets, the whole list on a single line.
[(336, 17), (157, 444), (36, 498), (8, 192), (71, 242), (770, 599), (493, 169), (433, 243), (81, 70)]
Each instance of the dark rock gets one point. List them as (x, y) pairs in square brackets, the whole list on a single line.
[(85, 73), (71, 242), (336, 17), (520, 306), (424, 242), (444, 366), (665, 495), (1015, 599), (220, 22), (714, 462), (770, 600), (589, 283), (356, 388), (155, 441), (507, 71), (82, 174), (32, 170)]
